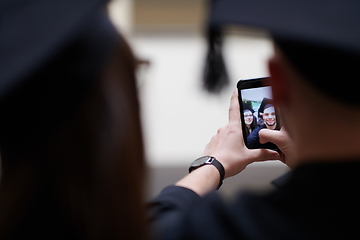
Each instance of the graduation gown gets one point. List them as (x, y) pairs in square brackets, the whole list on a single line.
[(316, 201)]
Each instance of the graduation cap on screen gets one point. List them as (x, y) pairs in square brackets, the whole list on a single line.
[(331, 24), (35, 32), (247, 106), (266, 102)]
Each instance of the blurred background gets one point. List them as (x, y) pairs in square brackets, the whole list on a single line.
[(178, 116)]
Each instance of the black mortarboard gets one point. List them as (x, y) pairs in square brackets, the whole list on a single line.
[(332, 24), (265, 102), (247, 106), (35, 32), (51, 53)]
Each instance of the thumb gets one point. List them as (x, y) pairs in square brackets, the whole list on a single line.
[(259, 155), (274, 136)]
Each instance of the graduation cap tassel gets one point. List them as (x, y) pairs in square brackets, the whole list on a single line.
[(215, 74)]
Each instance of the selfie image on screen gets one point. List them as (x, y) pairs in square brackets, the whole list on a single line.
[(259, 113)]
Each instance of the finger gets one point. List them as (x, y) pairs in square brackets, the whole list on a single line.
[(264, 155), (274, 136), (234, 110)]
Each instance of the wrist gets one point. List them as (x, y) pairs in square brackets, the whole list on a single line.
[(209, 160)]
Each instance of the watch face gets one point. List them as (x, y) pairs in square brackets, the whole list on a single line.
[(200, 161)]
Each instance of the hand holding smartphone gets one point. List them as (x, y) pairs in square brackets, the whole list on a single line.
[(257, 111)]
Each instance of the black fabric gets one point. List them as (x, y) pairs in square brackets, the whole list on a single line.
[(215, 73), (329, 25), (318, 201), (51, 53), (34, 32)]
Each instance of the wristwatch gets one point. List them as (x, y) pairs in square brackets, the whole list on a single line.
[(208, 160)]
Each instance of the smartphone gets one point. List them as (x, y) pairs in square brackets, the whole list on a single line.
[(257, 111)]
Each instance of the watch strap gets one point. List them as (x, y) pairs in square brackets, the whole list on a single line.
[(212, 161), (221, 170)]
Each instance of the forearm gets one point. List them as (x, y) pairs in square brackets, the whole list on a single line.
[(201, 180)]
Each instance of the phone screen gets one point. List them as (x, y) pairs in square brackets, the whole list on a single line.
[(257, 111)]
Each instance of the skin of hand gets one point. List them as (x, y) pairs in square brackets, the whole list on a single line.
[(284, 143), (228, 147)]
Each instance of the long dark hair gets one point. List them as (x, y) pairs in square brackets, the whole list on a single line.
[(72, 152), (253, 125)]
